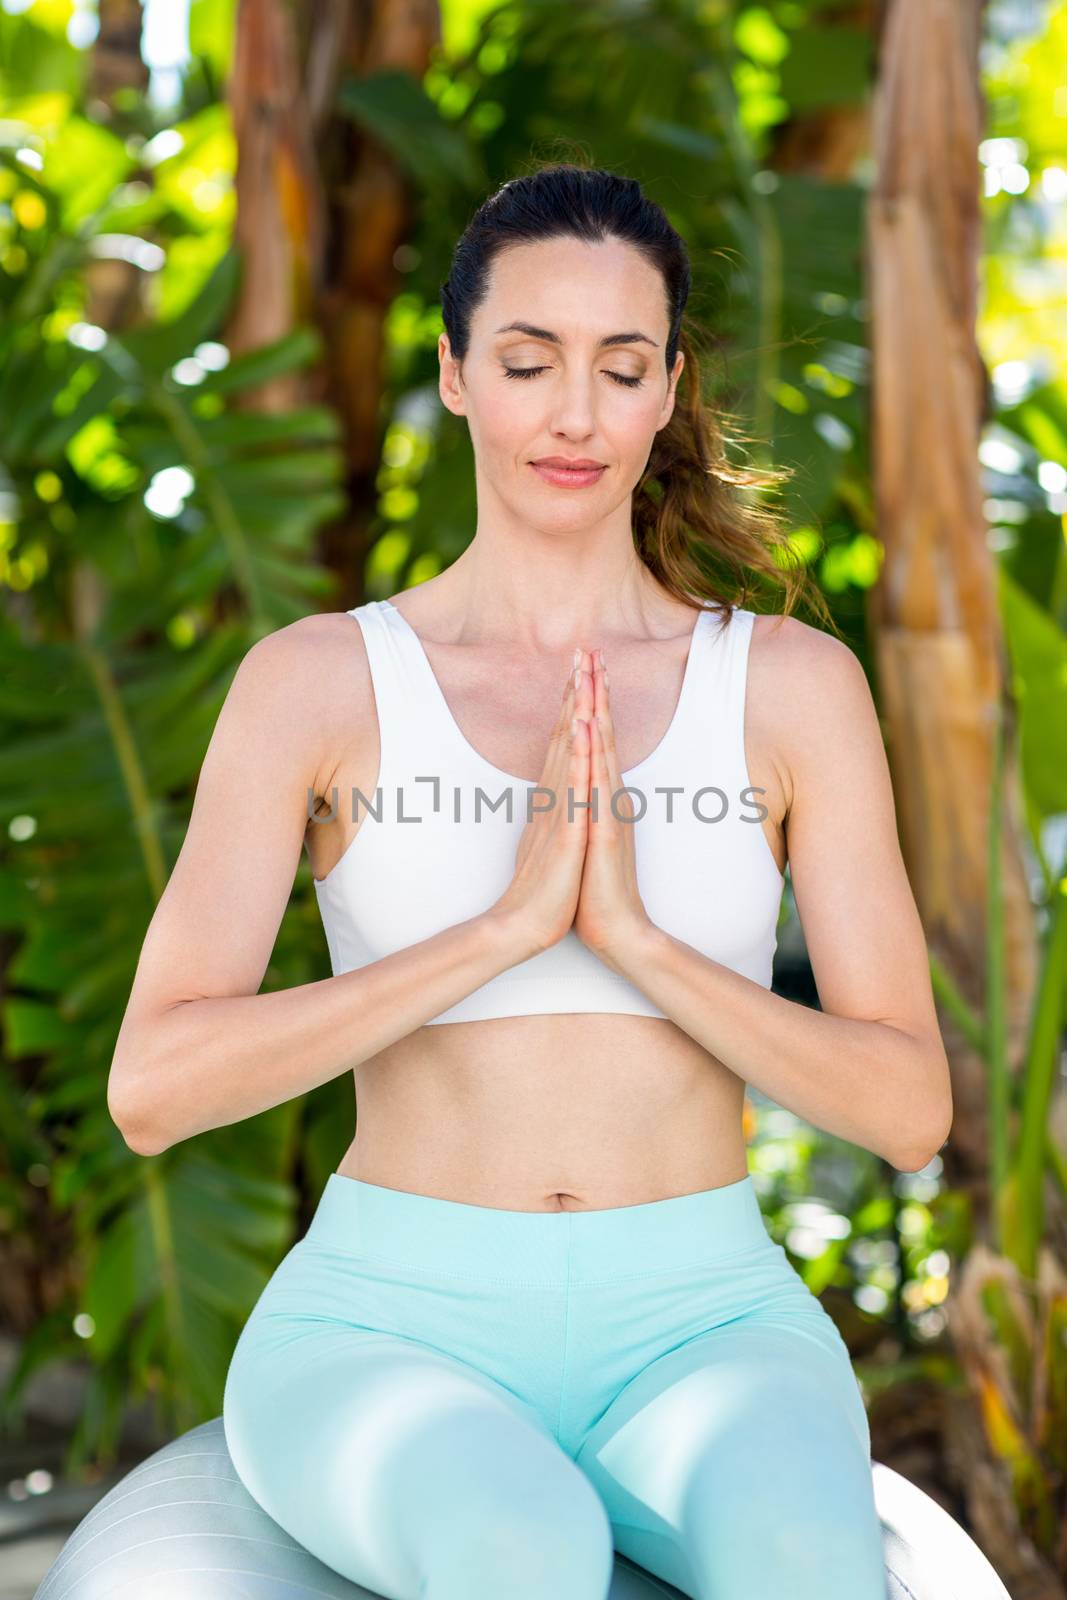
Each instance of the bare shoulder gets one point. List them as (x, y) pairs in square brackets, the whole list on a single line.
[(299, 649), (800, 658), (806, 688), (308, 680), (796, 642)]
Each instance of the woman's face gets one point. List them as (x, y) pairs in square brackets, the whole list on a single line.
[(580, 398)]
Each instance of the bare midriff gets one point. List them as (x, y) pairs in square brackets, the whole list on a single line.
[(570, 1112)]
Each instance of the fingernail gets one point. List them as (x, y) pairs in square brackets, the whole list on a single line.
[(607, 680), (577, 656), (600, 653), (574, 724), (578, 679)]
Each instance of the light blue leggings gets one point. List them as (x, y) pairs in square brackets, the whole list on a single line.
[(455, 1402)]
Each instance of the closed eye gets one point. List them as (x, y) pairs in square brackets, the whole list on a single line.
[(531, 372)]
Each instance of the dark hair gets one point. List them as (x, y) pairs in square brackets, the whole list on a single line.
[(690, 511)]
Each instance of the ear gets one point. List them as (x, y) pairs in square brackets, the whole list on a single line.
[(450, 385), (672, 389)]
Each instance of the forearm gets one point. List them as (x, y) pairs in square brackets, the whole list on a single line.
[(208, 1062), (868, 1082)]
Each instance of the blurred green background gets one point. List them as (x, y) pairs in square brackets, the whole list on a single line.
[(219, 411)]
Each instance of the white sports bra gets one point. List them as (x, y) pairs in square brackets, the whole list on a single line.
[(436, 845)]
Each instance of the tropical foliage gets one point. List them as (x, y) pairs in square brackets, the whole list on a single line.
[(157, 516)]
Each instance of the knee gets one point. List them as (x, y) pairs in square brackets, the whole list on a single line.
[(527, 1550), (832, 1556), (809, 1553)]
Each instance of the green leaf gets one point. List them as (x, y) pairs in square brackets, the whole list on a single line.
[(397, 110), (292, 352), (1038, 653), (828, 66)]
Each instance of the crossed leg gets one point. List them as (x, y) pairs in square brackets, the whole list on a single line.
[(413, 1473), (737, 1467)]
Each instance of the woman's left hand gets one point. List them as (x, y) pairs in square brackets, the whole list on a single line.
[(610, 916)]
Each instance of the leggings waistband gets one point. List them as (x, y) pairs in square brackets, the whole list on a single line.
[(446, 1236)]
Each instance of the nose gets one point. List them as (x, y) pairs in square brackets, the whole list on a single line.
[(573, 399)]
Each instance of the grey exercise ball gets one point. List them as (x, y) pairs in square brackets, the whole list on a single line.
[(182, 1526)]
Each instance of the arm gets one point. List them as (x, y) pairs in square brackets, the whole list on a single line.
[(869, 1067), (198, 1047)]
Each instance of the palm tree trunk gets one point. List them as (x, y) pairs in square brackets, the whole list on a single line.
[(322, 209), (116, 61), (280, 226), (369, 209), (115, 287), (934, 619)]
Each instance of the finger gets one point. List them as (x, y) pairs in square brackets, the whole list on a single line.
[(584, 692), (557, 755), (560, 735), (602, 710), (579, 664), (608, 759), (578, 778), (567, 702), (598, 774), (582, 709)]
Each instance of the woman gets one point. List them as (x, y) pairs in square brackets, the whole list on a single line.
[(537, 1314)]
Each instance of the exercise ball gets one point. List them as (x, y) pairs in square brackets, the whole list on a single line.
[(182, 1526)]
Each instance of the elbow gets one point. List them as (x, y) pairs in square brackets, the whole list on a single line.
[(926, 1134), (140, 1144), (139, 1138), (921, 1153), (128, 1113), (912, 1162)]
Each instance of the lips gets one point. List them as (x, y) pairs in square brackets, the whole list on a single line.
[(576, 474)]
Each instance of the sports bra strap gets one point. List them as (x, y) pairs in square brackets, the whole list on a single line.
[(399, 695)]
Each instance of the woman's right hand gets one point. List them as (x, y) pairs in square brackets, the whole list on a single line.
[(542, 897)]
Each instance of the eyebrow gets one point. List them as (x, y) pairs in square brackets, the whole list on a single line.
[(554, 338)]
